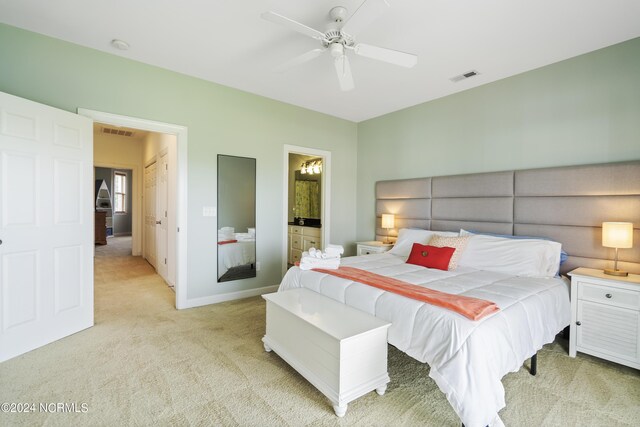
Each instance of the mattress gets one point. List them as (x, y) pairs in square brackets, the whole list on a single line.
[(467, 358)]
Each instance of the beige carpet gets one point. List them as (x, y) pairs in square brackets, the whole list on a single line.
[(144, 363)]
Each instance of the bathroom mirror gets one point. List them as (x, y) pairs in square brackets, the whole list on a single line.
[(307, 197), (236, 218)]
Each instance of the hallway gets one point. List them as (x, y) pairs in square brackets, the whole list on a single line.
[(114, 266)]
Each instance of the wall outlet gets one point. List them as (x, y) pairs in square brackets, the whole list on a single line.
[(209, 211), (258, 266)]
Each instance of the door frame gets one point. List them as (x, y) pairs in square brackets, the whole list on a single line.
[(181, 133), (325, 199)]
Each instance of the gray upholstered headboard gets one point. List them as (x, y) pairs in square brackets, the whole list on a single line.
[(566, 204)]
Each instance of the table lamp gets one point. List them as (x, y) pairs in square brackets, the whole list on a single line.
[(388, 221), (618, 235)]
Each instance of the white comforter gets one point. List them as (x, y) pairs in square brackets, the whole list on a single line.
[(235, 254), (468, 359)]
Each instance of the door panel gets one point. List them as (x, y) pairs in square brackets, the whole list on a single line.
[(67, 136), (23, 126), (20, 288), (68, 277), (19, 189), (67, 184), (46, 225)]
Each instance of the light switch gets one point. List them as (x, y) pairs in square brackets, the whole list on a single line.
[(209, 211)]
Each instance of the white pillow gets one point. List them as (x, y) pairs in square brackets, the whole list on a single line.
[(408, 236), (525, 257)]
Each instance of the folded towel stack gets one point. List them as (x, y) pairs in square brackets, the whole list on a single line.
[(334, 250), (226, 233), (314, 258), (245, 237)]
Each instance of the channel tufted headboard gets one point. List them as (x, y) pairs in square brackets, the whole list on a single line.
[(566, 204)]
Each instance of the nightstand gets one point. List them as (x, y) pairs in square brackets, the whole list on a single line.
[(605, 316), (373, 247)]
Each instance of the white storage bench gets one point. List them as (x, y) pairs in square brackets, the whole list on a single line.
[(340, 350)]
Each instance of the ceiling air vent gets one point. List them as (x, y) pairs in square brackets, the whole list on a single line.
[(119, 132), (464, 76)]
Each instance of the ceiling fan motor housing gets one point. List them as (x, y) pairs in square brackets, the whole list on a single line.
[(336, 49)]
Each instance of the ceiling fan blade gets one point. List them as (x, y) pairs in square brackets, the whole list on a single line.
[(365, 15), (395, 57), (343, 70), (292, 25), (300, 59)]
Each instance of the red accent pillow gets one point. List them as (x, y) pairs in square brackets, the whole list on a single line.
[(431, 256)]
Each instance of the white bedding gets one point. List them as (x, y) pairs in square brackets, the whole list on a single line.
[(235, 254), (468, 359)]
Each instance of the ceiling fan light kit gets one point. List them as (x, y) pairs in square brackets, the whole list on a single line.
[(340, 37)]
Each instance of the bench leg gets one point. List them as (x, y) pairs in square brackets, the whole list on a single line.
[(340, 410), (381, 390), (534, 364)]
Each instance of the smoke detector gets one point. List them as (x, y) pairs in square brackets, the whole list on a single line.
[(120, 44)]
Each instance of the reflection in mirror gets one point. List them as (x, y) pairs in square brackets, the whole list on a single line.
[(305, 192), (236, 218), (307, 199)]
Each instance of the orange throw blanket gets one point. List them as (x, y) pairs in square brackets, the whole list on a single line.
[(472, 308), (226, 242)]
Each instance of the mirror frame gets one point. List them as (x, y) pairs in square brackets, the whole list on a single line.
[(255, 216)]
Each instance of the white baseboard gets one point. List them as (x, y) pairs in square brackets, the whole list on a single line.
[(214, 299)]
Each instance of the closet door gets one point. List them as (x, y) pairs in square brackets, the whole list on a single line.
[(162, 189), (150, 214)]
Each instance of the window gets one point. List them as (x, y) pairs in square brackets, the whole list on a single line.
[(120, 192)]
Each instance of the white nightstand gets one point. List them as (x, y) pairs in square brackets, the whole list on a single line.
[(605, 316), (373, 247)]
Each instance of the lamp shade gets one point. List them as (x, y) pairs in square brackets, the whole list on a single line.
[(388, 221), (617, 235)]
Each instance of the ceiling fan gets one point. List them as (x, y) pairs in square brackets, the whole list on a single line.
[(340, 38)]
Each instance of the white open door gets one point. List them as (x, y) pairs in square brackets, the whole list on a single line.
[(46, 225), (162, 236)]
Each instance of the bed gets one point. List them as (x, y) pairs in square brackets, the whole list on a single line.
[(468, 359), (235, 254)]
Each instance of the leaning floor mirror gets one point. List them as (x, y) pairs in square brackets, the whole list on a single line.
[(236, 218)]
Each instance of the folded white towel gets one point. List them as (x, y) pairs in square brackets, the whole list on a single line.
[(317, 253), (334, 250), (308, 263)]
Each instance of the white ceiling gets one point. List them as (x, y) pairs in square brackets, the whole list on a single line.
[(228, 43)]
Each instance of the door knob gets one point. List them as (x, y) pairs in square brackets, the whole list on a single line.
[(608, 295), (578, 323), (158, 222)]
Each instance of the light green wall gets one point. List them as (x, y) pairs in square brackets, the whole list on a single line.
[(579, 111), (219, 119)]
